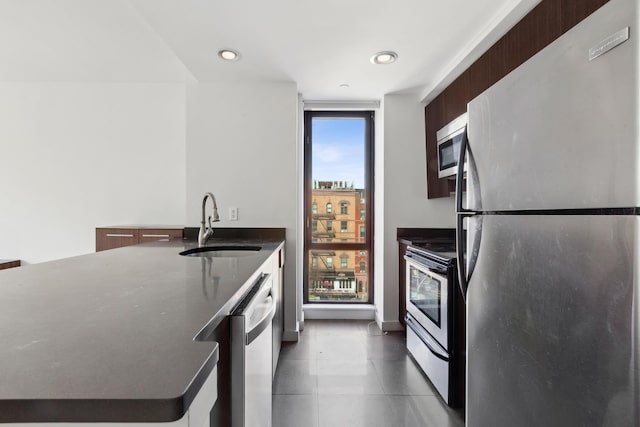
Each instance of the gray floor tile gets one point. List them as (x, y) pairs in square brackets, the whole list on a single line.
[(402, 377), (423, 411), (348, 373), (392, 346), (340, 377), (296, 377), (341, 347), (355, 411), (295, 411), (305, 348)]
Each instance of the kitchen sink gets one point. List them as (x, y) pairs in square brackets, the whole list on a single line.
[(222, 251)]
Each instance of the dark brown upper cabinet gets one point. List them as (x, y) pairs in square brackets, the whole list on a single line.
[(545, 23)]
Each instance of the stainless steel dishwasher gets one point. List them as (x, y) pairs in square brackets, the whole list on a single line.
[(251, 356)]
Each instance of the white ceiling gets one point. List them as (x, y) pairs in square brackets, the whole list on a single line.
[(317, 44)]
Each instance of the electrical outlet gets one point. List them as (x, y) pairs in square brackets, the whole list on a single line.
[(233, 214)]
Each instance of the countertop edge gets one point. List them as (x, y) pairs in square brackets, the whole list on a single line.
[(108, 410), (50, 410)]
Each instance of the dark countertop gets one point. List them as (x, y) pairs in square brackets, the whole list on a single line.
[(410, 236), (110, 336)]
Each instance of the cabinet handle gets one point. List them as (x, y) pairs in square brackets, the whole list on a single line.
[(165, 236), (118, 235)]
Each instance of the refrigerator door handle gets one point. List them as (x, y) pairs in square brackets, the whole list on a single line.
[(461, 214), (464, 276), (460, 244), (463, 253), (460, 172)]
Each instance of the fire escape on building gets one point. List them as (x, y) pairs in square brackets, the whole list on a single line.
[(321, 220)]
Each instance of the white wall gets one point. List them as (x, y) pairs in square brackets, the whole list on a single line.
[(379, 215), (405, 195), (79, 155), (82, 41), (242, 146)]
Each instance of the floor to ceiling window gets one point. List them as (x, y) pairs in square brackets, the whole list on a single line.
[(338, 207)]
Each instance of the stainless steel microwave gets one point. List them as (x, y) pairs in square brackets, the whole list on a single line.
[(449, 139)]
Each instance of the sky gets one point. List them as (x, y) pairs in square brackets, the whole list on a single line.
[(338, 150)]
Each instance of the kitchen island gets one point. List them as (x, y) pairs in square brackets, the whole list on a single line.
[(117, 336)]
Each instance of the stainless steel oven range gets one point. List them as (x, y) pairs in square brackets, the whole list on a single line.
[(435, 317)]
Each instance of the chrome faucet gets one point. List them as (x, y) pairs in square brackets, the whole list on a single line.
[(206, 232)]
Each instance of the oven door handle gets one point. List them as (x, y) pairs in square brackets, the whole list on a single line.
[(421, 263), (428, 341)]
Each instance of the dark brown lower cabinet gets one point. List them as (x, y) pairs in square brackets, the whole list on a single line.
[(117, 237), (9, 263)]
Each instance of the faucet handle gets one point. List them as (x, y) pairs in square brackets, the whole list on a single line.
[(210, 226)]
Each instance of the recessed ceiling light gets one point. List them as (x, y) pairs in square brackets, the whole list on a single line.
[(229, 55), (386, 57)]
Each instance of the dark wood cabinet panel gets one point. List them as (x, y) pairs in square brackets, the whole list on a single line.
[(533, 33), (117, 237), (9, 263), (154, 234), (574, 11), (541, 26), (111, 238), (433, 117)]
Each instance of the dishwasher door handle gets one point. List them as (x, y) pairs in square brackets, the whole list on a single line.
[(264, 322)]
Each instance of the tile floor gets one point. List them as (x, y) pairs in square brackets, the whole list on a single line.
[(347, 373)]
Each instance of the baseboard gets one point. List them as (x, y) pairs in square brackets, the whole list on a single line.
[(389, 326), (339, 311), (290, 336)]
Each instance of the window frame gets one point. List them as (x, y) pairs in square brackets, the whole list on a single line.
[(359, 244)]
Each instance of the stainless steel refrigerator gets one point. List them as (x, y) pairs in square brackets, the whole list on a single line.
[(550, 260)]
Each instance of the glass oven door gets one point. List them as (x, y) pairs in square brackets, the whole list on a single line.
[(427, 295)]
